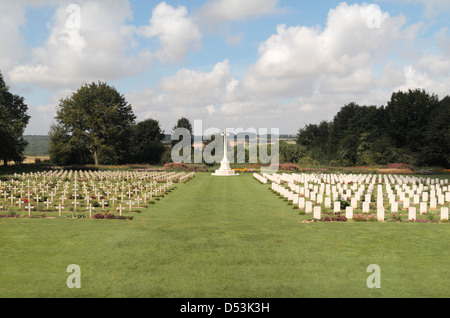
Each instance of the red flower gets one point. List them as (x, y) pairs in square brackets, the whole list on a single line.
[(25, 200)]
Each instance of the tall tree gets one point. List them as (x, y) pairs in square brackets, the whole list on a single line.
[(147, 146), (407, 115), (97, 116), (183, 122), (437, 136), (64, 152), (13, 121)]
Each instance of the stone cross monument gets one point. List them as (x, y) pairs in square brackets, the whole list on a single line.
[(225, 169)]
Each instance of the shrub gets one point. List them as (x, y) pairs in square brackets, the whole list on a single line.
[(344, 203), (176, 166), (289, 167), (395, 218), (400, 166), (430, 216), (359, 217)]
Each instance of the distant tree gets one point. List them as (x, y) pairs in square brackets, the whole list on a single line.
[(63, 151), (436, 150), (315, 140), (147, 147), (13, 121), (291, 153), (183, 122), (407, 115), (97, 117)]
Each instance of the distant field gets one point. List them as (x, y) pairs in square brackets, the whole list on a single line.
[(32, 159)]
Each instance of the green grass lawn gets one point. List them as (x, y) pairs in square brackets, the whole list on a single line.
[(222, 238)]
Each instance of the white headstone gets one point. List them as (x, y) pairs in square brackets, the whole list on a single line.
[(337, 206), (317, 213), (444, 213), (423, 208), (394, 207), (308, 207), (441, 199), (295, 199), (433, 203), (301, 202), (380, 213), (406, 203), (349, 212), (366, 207), (353, 203), (412, 213)]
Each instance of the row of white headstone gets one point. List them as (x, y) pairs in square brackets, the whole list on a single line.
[(260, 178), (315, 190)]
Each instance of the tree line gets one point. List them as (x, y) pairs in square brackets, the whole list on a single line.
[(96, 125), (413, 128)]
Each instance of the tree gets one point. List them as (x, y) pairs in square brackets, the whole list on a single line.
[(407, 115), (183, 123), (291, 153), (13, 121), (315, 140), (147, 146), (99, 118), (437, 136), (64, 152)]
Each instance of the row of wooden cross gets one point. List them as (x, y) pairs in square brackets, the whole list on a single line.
[(106, 187)]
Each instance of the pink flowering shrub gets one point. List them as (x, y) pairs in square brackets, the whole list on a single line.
[(289, 167), (177, 166), (400, 166)]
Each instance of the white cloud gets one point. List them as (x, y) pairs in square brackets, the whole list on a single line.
[(175, 30), (340, 57), (12, 48), (217, 11), (196, 88), (96, 50)]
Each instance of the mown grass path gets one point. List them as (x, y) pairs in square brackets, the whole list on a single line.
[(226, 238)]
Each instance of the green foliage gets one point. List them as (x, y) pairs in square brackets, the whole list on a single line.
[(97, 118), (146, 142), (413, 128), (291, 153), (13, 121), (65, 151), (183, 122), (37, 145)]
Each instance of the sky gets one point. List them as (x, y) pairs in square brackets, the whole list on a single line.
[(250, 64)]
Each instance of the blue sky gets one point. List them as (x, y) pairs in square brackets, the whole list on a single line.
[(230, 63)]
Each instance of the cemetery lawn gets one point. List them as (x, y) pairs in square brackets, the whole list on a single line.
[(222, 237)]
